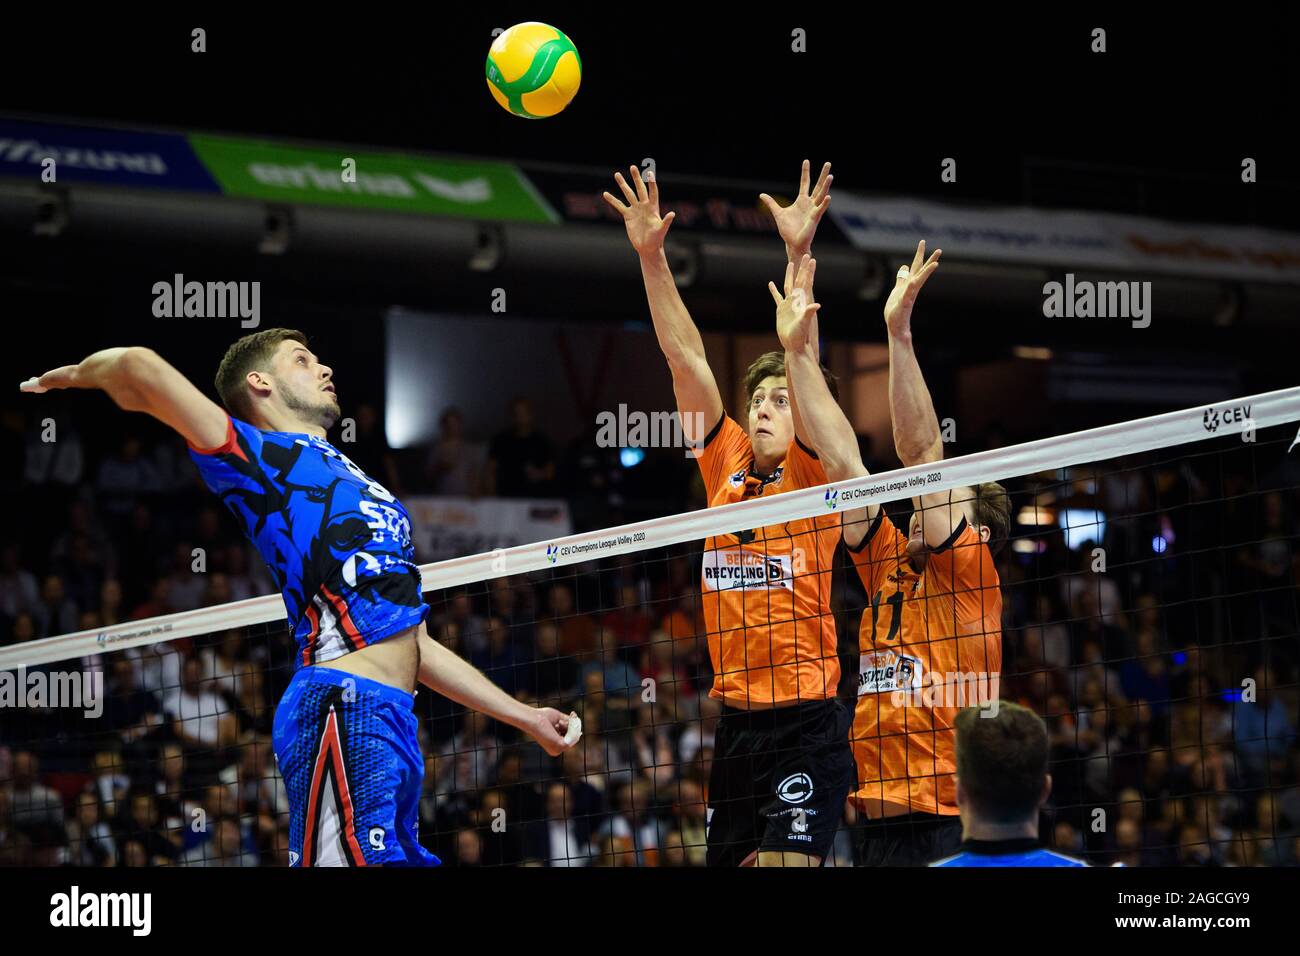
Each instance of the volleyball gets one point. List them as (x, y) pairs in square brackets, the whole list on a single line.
[(533, 70)]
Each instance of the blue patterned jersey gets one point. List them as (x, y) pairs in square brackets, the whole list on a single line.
[(1026, 852), (337, 543)]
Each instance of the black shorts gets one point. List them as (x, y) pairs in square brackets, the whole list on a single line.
[(779, 780), (914, 839)]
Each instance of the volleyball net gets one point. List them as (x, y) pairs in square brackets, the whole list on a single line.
[(1144, 605)]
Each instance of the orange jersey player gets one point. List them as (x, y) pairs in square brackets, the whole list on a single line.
[(931, 639), (782, 768)]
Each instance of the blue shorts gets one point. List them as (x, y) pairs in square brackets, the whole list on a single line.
[(349, 753)]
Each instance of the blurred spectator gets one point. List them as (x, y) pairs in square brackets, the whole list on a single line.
[(214, 535), (53, 453), (505, 602), (520, 461), (36, 811), (1262, 731), (469, 848), (617, 678), (454, 465), (221, 661), (476, 748), (188, 585), (125, 476), (157, 668), (499, 660), (577, 631), (82, 521), (110, 782), (142, 545), (130, 711), (1272, 558), (226, 848), (673, 852), (1146, 677), (201, 719), (470, 627), (57, 613), (110, 603), (627, 627), (158, 602), (82, 572), (562, 847), (636, 822), (1104, 592), (689, 820), (90, 839), (551, 676), (18, 591), (1050, 637)]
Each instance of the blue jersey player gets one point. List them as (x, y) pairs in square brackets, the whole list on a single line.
[(338, 546), (1002, 781)]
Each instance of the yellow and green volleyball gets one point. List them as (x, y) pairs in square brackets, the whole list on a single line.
[(533, 70)]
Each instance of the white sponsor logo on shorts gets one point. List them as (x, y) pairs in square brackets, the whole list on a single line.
[(796, 788)]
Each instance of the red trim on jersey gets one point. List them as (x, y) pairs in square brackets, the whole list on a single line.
[(230, 446), (350, 631), (309, 648), (329, 759)]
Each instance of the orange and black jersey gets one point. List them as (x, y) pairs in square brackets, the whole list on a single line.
[(766, 591), (929, 641)]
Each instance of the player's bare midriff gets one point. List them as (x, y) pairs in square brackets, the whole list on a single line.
[(394, 661)]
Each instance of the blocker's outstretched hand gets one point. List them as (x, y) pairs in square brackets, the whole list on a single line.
[(645, 227), (796, 311), (898, 307), (797, 222)]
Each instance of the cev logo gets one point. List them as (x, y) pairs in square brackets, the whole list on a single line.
[(796, 788), (832, 498), (552, 553)]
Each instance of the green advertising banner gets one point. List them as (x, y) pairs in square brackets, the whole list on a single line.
[(468, 189)]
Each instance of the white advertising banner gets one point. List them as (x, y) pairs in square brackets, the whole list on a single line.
[(445, 528), (1071, 240)]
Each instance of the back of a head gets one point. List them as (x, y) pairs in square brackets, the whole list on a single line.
[(993, 511), (250, 353), (1001, 762)]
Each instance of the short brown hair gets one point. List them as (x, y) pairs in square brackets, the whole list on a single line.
[(1002, 761), (992, 509), (772, 365), (245, 355)]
